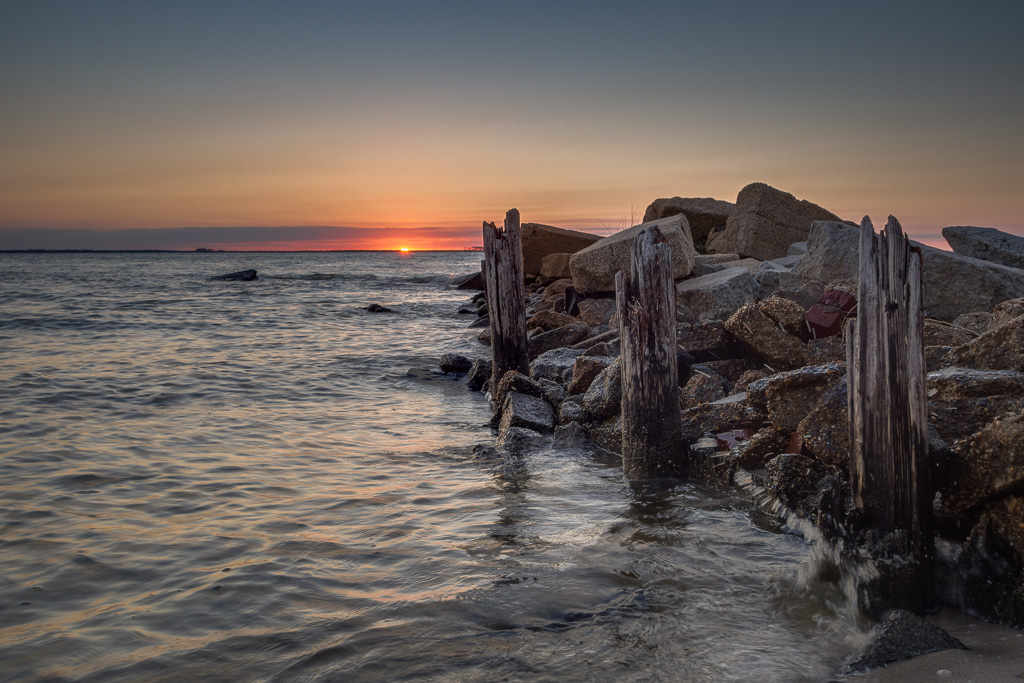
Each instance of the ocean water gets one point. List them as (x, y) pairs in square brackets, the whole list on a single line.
[(260, 481)]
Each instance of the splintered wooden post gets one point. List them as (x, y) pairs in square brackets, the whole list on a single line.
[(652, 441), (506, 299), (888, 407)]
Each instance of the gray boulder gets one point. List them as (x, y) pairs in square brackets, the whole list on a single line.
[(900, 636), (594, 268), (241, 276), (987, 244), (555, 365), (540, 240), (766, 222), (703, 213), (604, 396), (953, 284), (717, 295), (529, 412)]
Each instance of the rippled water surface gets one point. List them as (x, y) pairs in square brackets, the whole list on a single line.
[(246, 481)]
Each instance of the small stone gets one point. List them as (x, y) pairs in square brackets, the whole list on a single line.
[(454, 362)]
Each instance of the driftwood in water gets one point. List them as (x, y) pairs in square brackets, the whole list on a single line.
[(506, 299), (652, 442), (888, 409)]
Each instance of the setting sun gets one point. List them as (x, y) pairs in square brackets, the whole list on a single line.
[(404, 249)]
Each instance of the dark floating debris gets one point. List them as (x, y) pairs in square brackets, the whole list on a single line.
[(241, 276), (377, 308)]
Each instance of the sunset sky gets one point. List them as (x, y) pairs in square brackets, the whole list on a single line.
[(117, 118)]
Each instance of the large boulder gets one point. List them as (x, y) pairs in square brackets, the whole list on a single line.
[(987, 244), (1001, 348), (604, 395), (703, 214), (953, 284), (766, 222), (540, 240), (523, 410), (754, 326), (555, 266), (717, 295), (594, 268), (961, 401)]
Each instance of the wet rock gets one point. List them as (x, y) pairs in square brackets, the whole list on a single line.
[(987, 244), (795, 480), (608, 434), (518, 382), (766, 221), (555, 365), (239, 276), (716, 296), (548, 320), (482, 321), (571, 410), (541, 240), (560, 337), (703, 214), (554, 393), (902, 635), (555, 266), (377, 308), (464, 309), (454, 362), (762, 446), (1001, 348), (570, 434), (523, 410), (825, 429), (731, 412), (479, 373), (585, 369), (485, 336), (977, 322), (596, 311), (594, 268), (471, 281), (518, 439), (766, 338), (604, 396)]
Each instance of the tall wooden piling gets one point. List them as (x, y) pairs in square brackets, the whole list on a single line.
[(652, 442), (506, 298), (888, 409)]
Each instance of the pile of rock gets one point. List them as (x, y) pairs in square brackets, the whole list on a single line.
[(764, 288)]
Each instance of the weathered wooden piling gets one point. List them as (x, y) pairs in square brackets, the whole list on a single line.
[(888, 412), (652, 441), (506, 298)]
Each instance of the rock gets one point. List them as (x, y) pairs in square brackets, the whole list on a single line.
[(952, 284), (241, 276), (933, 356), (795, 479), (585, 370), (826, 350), (994, 467), (559, 337), (517, 382), (902, 635), (548, 320), (482, 321), (555, 266), (787, 313), (554, 393), (597, 336), (751, 264), (825, 429), (471, 281), (797, 249), (999, 349), (718, 295), (602, 349), (767, 338), (714, 259), (704, 386), (761, 447), (464, 309), (987, 244), (596, 312), (518, 439), (479, 373), (977, 321), (454, 362), (789, 396), (731, 412), (540, 240), (556, 289), (594, 268), (961, 401), (555, 365), (485, 336), (707, 341), (571, 410), (1005, 312), (766, 222), (377, 308), (530, 412), (733, 368), (604, 395), (608, 434), (703, 214)]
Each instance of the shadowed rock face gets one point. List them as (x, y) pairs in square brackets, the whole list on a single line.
[(541, 240), (704, 214), (987, 244), (900, 636), (241, 275)]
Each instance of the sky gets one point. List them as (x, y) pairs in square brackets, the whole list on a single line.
[(142, 124)]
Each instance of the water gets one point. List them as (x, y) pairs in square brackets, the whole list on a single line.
[(233, 481)]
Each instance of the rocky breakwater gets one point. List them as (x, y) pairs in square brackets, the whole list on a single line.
[(764, 386)]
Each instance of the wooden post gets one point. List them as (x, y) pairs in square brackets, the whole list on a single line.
[(888, 409), (652, 441), (506, 299)]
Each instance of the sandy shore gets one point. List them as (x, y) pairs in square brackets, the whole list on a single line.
[(996, 654)]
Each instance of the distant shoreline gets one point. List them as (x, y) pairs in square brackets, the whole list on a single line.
[(226, 251)]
